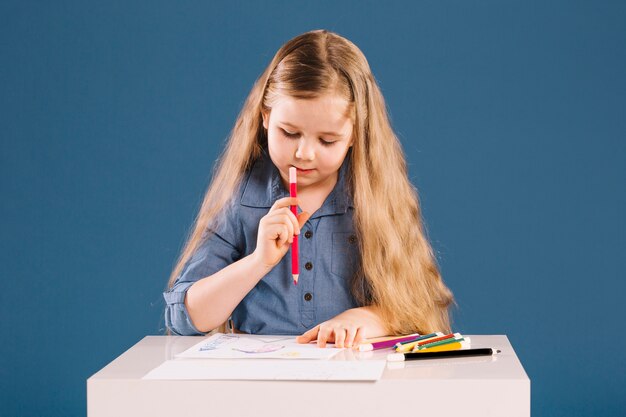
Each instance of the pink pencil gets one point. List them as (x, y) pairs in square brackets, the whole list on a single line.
[(293, 192)]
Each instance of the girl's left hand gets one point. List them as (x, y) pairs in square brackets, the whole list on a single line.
[(347, 329)]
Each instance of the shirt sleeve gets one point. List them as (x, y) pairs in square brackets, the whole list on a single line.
[(220, 248)]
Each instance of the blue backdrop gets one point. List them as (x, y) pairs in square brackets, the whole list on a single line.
[(512, 115)]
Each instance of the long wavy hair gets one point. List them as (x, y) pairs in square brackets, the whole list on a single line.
[(398, 272)]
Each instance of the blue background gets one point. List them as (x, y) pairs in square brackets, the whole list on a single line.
[(512, 115)]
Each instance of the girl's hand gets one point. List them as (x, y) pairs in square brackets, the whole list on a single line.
[(348, 329), (276, 230)]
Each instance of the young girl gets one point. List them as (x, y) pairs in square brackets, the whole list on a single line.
[(367, 267)]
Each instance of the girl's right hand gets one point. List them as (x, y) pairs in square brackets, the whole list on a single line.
[(276, 231)]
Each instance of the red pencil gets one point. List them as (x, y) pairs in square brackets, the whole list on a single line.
[(293, 192)]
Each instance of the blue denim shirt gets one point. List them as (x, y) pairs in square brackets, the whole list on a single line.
[(328, 251)]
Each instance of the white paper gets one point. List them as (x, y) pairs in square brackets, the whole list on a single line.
[(268, 369), (240, 346)]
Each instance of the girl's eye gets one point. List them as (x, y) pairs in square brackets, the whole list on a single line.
[(297, 135), (289, 134)]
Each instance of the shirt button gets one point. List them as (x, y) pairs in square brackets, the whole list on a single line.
[(308, 234), (352, 239), (308, 266), (308, 296)]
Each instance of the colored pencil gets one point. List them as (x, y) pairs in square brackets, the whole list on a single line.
[(435, 339), (293, 192), (394, 357), (406, 347), (451, 345), (422, 337), (385, 338), (431, 343), (389, 343)]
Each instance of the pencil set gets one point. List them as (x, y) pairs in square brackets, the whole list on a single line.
[(429, 346), (434, 342)]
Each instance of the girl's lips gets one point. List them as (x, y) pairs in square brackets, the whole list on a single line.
[(304, 171)]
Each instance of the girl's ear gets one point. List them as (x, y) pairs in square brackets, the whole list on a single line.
[(266, 118)]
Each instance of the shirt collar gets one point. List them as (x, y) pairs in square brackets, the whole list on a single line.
[(263, 187)]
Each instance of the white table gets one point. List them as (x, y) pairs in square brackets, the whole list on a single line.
[(472, 386)]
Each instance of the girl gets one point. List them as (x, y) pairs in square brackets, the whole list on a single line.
[(368, 268)]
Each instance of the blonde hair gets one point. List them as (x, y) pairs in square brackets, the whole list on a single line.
[(398, 272)]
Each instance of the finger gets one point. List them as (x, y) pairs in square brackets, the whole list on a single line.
[(287, 220), (340, 337), (350, 334), (286, 216), (360, 336), (293, 223), (324, 336), (285, 202), (308, 336), (303, 218), (283, 235), (277, 233)]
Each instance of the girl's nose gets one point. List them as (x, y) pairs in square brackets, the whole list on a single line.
[(305, 150)]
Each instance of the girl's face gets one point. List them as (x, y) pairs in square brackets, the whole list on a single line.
[(313, 135)]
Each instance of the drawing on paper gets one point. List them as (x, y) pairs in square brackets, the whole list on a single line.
[(231, 346), (240, 344), (259, 349), (219, 342)]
